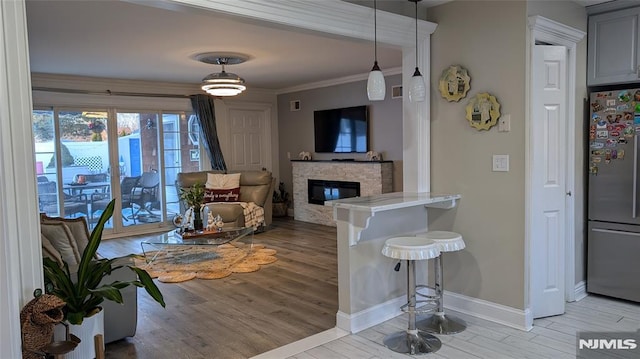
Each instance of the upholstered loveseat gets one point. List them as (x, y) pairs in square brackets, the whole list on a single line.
[(65, 239), (255, 186)]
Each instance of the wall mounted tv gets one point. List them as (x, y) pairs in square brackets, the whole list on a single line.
[(341, 130)]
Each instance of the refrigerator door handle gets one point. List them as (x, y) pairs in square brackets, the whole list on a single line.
[(634, 211)]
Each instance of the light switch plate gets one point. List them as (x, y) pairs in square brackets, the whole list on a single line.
[(501, 163)]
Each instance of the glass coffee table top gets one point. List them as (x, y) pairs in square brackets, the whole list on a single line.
[(202, 238)]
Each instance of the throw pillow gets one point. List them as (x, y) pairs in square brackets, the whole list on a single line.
[(221, 195), (222, 181), (61, 238), (77, 226), (49, 251)]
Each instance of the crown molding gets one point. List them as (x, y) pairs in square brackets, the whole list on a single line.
[(337, 81)]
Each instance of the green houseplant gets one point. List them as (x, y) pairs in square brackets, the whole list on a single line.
[(81, 290), (280, 201), (193, 197)]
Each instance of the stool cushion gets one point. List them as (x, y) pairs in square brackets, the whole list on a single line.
[(410, 248), (447, 241)]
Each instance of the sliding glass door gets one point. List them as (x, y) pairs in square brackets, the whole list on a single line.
[(85, 158)]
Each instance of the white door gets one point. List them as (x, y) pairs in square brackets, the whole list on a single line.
[(548, 180), (249, 136)]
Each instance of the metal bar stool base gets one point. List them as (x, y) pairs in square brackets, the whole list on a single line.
[(409, 343), (441, 323)]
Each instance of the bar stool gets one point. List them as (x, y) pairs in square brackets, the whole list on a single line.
[(411, 341), (439, 322)]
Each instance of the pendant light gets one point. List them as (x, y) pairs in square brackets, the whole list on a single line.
[(417, 89), (376, 87)]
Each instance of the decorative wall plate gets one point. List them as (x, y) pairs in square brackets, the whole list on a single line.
[(483, 111), (454, 83)]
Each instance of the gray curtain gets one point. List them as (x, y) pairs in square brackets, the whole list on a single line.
[(205, 111)]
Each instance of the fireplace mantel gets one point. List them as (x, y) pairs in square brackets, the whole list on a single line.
[(375, 177)]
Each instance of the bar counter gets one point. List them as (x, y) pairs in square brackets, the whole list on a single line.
[(369, 290)]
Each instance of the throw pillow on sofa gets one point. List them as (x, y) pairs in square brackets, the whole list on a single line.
[(222, 181), (61, 238), (77, 226), (221, 195), (49, 251)]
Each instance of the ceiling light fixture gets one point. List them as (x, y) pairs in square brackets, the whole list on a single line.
[(417, 89), (376, 87), (222, 83)]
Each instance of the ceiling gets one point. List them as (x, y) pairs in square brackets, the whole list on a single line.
[(122, 40)]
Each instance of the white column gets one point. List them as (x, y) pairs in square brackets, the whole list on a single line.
[(20, 253)]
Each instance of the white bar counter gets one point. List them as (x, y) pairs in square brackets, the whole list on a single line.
[(369, 290)]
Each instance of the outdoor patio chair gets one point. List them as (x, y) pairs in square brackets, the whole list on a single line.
[(100, 200), (144, 196), (48, 201)]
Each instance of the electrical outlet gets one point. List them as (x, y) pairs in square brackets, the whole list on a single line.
[(504, 123)]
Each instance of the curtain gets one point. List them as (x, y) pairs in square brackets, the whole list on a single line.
[(205, 111)]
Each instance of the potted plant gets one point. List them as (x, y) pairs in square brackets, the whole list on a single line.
[(280, 201), (81, 290), (193, 197)]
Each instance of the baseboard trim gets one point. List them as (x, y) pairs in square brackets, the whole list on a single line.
[(580, 290), (498, 313), (367, 318)]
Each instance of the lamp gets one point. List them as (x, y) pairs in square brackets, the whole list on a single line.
[(417, 89), (222, 83), (376, 87)]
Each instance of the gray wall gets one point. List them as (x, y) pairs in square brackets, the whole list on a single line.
[(295, 128), (489, 39)]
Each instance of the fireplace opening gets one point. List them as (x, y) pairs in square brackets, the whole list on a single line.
[(320, 191)]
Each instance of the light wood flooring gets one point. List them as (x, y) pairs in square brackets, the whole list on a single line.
[(552, 337), (244, 315)]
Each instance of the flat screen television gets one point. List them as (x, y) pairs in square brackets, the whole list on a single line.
[(341, 130)]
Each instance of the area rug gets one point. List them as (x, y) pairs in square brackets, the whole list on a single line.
[(183, 263)]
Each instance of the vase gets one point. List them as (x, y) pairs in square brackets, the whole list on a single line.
[(90, 327), (197, 220)]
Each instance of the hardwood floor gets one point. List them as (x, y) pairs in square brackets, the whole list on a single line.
[(245, 314)]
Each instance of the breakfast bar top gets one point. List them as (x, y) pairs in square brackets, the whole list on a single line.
[(395, 200)]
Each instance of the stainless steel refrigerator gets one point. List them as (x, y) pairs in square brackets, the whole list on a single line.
[(613, 243)]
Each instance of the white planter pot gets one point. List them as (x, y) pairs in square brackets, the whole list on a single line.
[(86, 331)]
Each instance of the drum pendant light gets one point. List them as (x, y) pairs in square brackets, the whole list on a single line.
[(417, 89), (376, 87)]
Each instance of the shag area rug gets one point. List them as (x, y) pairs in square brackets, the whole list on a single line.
[(183, 263)]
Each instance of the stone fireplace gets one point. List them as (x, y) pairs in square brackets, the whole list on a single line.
[(331, 179)]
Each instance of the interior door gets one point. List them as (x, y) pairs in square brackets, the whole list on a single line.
[(249, 135), (548, 180)]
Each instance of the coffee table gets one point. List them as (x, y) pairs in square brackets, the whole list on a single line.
[(215, 238)]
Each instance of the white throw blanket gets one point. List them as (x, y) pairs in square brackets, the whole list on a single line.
[(253, 214)]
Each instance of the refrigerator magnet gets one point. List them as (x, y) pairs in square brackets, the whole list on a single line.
[(622, 140), (596, 159), (614, 133), (596, 106), (611, 102), (611, 143), (621, 154), (602, 134), (614, 154), (593, 169), (624, 96), (597, 145)]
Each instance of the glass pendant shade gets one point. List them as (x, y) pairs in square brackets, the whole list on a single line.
[(376, 86), (417, 88), (223, 84)]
